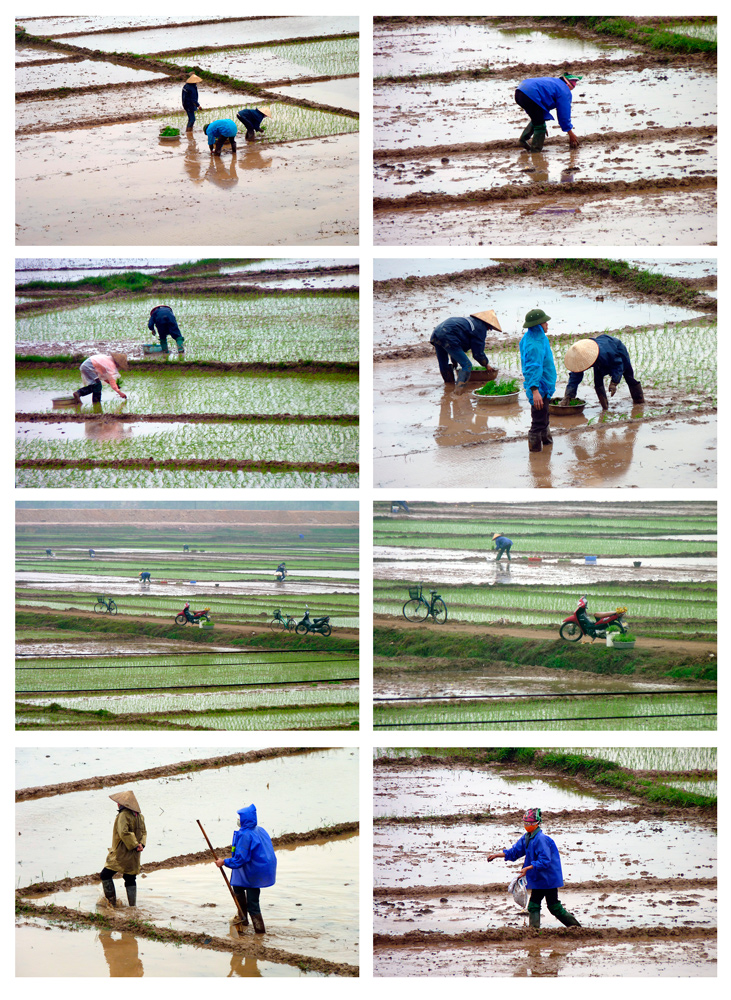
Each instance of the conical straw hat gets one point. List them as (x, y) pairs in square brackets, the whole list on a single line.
[(194, 79), (488, 316), (496, 535), (126, 799), (120, 361), (581, 355), (266, 110)]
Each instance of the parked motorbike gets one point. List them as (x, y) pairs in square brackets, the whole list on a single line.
[(198, 616), (580, 623), (308, 624)]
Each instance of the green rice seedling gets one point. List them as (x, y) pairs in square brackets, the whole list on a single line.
[(494, 388)]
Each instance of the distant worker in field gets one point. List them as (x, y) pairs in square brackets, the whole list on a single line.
[(220, 131), (281, 571), (163, 322), (253, 865), (252, 118), (97, 369), (454, 337), (402, 504), (542, 869), (607, 356), (190, 99), (129, 837), (502, 545), (49, 552), (92, 553), (144, 577), (539, 376), (538, 98)]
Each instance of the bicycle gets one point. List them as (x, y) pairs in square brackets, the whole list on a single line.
[(287, 624), (418, 609), (104, 606)]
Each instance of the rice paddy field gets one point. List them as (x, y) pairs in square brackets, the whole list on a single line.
[(182, 924), (119, 80), (441, 909), (78, 666), (427, 434), (644, 113), (495, 660), (266, 393)]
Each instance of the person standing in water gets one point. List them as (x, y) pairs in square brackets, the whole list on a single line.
[(190, 99), (129, 836), (253, 865)]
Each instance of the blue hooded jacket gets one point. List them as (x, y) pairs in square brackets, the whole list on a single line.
[(222, 128), (502, 541), (551, 94), (467, 333), (542, 853), (253, 863), (612, 358), (536, 362)]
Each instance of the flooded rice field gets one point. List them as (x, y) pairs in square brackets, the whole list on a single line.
[(335, 93), (78, 74)]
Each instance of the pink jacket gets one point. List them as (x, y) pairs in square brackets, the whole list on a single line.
[(105, 368)]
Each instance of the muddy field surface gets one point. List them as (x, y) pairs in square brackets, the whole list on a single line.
[(335, 93), (86, 73)]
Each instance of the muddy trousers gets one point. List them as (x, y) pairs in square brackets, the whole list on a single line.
[(106, 874), (539, 433), (248, 898), (635, 389), (191, 118), (95, 388), (555, 907), (534, 111), (448, 355), (506, 549)]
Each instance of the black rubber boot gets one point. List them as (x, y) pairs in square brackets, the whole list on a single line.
[(539, 137), (602, 397), (525, 136), (258, 922), (562, 914), (218, 147), (463, 377), (534, 441), (233, 146), (546, 437), (131, 894), (534, 915), (109, 891), (448, 379), (636, 393), (250, 135)]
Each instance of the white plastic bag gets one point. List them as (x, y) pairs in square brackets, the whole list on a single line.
[(518, 889)]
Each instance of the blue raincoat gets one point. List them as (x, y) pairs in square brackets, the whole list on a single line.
[(502, 542), (222, 128), (536, 362), (542, 853), (613, 359), (253, 863), (551, 94)]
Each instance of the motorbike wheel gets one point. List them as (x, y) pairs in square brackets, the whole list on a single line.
[(301, 629), (326, 630), (275, 624), (112, 608), (439, 611), (570, 631), (415, 611), (180, 619), (99, 608)]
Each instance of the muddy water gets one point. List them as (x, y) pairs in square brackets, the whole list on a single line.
[(437, 48), (141, 199), (613, 849), (87, 73), (71, 268), (288, 263), (385, 269), (233, 33), (291, 794), (333, 93), (90, 648), (676, 268), (321, 281), (26, 54), (322, 923), (43, 948), (679, 219), (620, 161), (425, 792), (50, 26)]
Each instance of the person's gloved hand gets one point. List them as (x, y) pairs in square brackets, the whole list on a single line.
[(613, 388)]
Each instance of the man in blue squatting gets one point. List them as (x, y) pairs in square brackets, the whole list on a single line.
[(220, 131), (538, 98), (606, 355), (454, 337), (539, 376)]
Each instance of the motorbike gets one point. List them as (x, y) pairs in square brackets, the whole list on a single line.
[(580, 623), (198, 616), (308, 624)]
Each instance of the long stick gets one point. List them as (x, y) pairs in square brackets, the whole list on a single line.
[(228, 886)]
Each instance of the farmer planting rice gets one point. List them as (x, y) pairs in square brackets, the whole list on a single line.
[(252, 119), (502, 545), (542, 869), (190, 99), (97, 369), (453, 337), (539, 376), (218, 132), (162, 320), (253, 865), (538, 98), (607, 356), (129, 837)]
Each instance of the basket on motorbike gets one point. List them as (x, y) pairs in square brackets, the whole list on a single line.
[(415, 592)]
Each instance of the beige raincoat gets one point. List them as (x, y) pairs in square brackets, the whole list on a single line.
[(129, 831)]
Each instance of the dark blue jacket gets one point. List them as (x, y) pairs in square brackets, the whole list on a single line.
[(190, 96), (253, 863), (164, 319), (612, 358), (502, 542), (543, 854), (467, 333), (536, 362), (551, 94), (251, 118)]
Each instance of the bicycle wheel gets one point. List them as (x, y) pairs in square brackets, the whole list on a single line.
[(301, 629), (439, 611), (275, 624), (326, 630), (570, 631), (291, 624), (112, 608), (415, 611), (180, 619), (99, 607)]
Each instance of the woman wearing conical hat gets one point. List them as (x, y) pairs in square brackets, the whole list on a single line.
[(129, 837), (190, 99), (252, 119), (606, 355), (101, 368), (457, 335)]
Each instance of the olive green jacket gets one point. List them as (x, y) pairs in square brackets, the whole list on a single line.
[(129, 831)]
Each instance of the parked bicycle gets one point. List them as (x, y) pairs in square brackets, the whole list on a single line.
[(105, 605), (278, 623), (418, 609)]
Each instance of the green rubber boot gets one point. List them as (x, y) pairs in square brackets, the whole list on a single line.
[(534, 915), (539, 137), (525, 136), (562, 914)]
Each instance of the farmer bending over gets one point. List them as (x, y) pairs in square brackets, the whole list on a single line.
[(542, 869), (144, 577), (502, 544), (253, 865), (539, 376), (607, 356), (538, 98), (97, 369), (452, 338), (190, 100), (220, 131), (252, 119), (163, 318), (129, 837)]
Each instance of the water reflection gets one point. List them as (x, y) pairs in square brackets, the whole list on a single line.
[(121, 954)]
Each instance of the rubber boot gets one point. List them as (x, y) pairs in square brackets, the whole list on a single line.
[(258, 922), (233, 146), (602, 397), (463, 377), (448, 379), (525, 136), (77, 399), (109, 891), (562, 914), (250, 135), (546, 437), (188, 128), (534, 915), (131, 894), (218, 147), (636, 393), (539, 137), (534, 441)]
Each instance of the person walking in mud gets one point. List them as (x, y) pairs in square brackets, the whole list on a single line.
[(220, 131), (252, 118), (129, 837), (503, 545), (97, 369), (190, 99), (606, 355), (163, 322), (540, 96), (253, 865), (454, 337), (542, 870), (539, 376)]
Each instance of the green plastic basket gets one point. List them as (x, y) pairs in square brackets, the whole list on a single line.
[(415, 593)]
